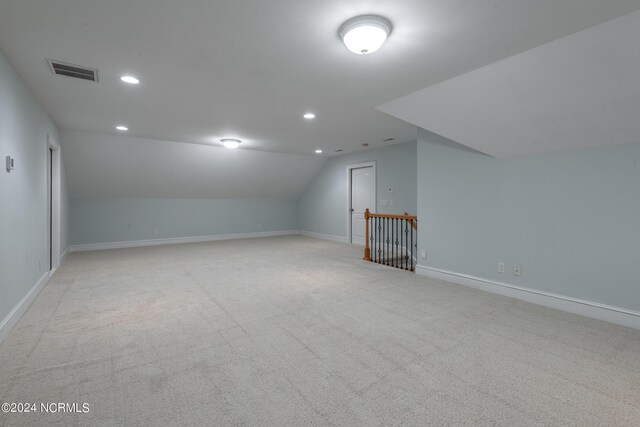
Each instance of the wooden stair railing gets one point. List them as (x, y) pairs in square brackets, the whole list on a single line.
[(391, 239)]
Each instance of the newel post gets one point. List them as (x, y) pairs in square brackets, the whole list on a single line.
[(367, 250)]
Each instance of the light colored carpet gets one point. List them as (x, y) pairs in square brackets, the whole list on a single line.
[(297, 331)]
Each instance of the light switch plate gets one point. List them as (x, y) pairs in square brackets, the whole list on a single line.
[(10, 163)]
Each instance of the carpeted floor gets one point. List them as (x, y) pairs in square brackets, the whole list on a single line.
[(297, 331)]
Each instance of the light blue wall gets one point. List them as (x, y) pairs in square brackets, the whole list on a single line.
[(120, 220), (570, 219), (322, 208), (24, 249)]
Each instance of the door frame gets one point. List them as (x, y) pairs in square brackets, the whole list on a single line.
[(53, 202), (375, 193)]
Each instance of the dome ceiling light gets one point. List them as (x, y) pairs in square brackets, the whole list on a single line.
[(231, 143), (365, 34)]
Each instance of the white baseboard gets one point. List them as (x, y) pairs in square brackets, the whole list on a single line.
[(177, 240), (64, 255), (60, 261), (330, 237), (18, 311), (607, 313)]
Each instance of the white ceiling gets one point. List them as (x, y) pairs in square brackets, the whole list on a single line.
[(100, 166), (250, 68), (579, 91)]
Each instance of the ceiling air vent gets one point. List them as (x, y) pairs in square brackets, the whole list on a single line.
[(78, 71)]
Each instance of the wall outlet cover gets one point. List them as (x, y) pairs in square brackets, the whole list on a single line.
[(501, 267), (517, 271)]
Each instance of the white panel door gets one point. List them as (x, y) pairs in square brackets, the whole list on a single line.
[(362, 197)]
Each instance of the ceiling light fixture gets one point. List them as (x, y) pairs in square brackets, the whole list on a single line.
[(122, 128), (309, 116), (130, 79), (365, 34), (318, 151), (231, 143)]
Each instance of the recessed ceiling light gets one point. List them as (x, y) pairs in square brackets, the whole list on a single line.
[(122, 128), (318, 151), (130, 79), (365, 34), (309, 116), (231, 143)]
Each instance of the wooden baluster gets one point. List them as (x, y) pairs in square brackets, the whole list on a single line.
[(367, 251)]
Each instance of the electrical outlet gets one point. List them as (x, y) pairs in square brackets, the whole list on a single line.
[(423, 254), (259, 226), (516, 270), (501, 267), (155, 231)]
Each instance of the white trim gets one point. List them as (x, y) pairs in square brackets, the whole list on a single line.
[(62, 257), (64, 254), (177, 240), (330, 237), (607, 313), (55, 201), (18, 311), (375, 193)]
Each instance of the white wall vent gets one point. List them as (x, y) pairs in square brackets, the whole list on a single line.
[(71, 70)]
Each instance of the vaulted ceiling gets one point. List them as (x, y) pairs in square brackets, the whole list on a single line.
[(580, 91), (104, 166), (251, 68)]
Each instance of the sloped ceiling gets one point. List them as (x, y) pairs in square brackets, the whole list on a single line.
[(251, 68), (582, 90), (100, 165)]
